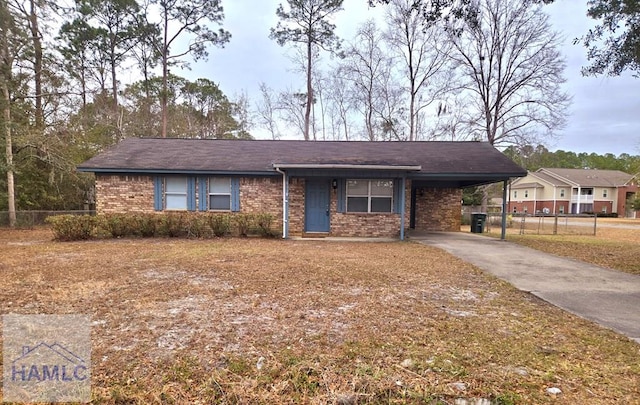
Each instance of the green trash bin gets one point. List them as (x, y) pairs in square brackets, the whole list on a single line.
[(477, 222)]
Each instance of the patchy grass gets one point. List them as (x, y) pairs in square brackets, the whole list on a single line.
[(614, 248), (268, 321)]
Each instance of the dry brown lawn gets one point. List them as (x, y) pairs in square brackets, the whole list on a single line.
[(615, 248), (271, 321)]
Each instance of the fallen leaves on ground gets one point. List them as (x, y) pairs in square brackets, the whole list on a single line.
[(271, 321)]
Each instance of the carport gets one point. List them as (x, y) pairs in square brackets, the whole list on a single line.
[(459, 181)]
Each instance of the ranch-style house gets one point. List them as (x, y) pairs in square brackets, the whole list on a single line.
[(336, 188)]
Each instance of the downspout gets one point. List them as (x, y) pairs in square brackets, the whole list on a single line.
[(285, 203), (505, 191), (402, 206)]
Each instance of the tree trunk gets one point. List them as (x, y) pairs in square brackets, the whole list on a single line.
[(6, 63), (37, 63), (412, 115), (307, 111), (165, 74), (114, 85), (6, 114)]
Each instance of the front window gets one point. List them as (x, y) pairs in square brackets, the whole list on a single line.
[(562, 209), (526, 193), (562, 192), (515, 194), (175, 195), (369, 195), (604, 193), (220, 193)]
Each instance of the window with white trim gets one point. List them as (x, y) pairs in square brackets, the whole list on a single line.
[(369, 195), (515, 194), (526, 193), (175, 193), (604, 193), (562, 209), (562, 192), (220, 193)]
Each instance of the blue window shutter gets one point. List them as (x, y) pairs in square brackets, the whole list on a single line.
[(397, 195), (157, 193), (235, 194), (342, 195), (203, 193), (191, 193)]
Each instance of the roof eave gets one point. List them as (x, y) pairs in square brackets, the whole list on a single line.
[(108, 170), (338, 166)]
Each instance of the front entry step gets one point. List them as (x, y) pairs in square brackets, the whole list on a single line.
[(315, 234)]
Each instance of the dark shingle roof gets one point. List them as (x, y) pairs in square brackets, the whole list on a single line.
[(259, 156)]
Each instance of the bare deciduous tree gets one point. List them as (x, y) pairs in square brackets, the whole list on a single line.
[(340, 105), (292, 105), (366, 67), (424, 51), (509, 56), (267, 109)]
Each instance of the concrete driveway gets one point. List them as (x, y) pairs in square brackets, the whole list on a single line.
[(609, 298)]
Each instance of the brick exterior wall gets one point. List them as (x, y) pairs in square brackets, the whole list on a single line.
[(296, 206), (342, 224), (260, 195), (624, 192), (438, 209), (365, 225), (123, 193), (539, 206)]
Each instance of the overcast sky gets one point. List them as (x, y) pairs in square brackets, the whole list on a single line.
[(604, 116)]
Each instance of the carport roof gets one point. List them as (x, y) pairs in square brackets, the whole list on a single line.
[(475, 162)]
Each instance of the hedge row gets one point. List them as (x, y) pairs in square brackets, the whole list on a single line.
[(174, 225)]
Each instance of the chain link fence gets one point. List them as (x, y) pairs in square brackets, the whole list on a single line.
[(540, 224), (30, 219)]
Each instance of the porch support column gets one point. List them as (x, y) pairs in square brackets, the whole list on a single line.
[(285, 203), (503, 234), (579, 200), (402, 206)]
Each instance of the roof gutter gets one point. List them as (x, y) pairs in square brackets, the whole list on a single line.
[(278, 166)]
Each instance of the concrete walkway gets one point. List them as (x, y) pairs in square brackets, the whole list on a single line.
[(609, 298)]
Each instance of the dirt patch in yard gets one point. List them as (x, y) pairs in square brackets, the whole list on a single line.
[(270, 321)]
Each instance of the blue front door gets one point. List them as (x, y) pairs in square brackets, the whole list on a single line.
[(316, 208)]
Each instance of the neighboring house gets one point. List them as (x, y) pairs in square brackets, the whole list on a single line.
[(573, 191), (328, 188)]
